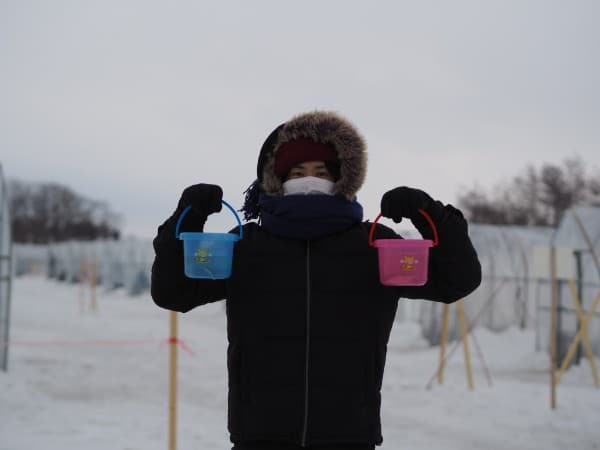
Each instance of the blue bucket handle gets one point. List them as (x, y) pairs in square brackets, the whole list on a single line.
[(187, 209)]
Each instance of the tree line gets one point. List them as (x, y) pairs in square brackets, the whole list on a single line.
[(538, 196), (42, 213)]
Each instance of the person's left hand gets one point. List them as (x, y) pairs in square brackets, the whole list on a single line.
[(404, 202)]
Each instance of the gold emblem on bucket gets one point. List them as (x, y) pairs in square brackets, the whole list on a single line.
[(201, 256), (408, 263)]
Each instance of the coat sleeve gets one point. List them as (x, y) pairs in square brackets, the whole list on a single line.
[(454, 268), (170, 288)]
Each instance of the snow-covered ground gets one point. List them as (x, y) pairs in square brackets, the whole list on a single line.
[(98, 381)]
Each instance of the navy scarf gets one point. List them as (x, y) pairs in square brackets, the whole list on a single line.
[(308, 216)]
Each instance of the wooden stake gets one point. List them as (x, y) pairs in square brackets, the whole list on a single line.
[(553, 327), (443, 341), (173, 342), (582, 335), (82, 283), (464, 334), (93, 280)]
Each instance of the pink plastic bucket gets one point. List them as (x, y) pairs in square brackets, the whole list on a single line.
[(403, 262)]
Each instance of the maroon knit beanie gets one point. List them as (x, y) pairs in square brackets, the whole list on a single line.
[(296, 152)]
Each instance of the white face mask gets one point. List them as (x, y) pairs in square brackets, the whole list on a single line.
[(308, 185)]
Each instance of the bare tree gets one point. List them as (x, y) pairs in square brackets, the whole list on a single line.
[(50, 212), (534, 197), (527, 192), (563, 187)]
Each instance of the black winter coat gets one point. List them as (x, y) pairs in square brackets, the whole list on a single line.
[(308, 324)]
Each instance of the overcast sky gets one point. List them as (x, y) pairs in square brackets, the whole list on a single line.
[(132, 101)]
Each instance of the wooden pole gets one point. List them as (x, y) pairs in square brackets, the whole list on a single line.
[(485, 307), (581, 335), (173, 342), (587, 346), (443, 342), (553, 327), (93, 283), (573, 347), (464, 334), (82, 283)]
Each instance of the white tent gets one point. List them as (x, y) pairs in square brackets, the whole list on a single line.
[(578, 242), (507, 293), (515, 290), (516, 287)]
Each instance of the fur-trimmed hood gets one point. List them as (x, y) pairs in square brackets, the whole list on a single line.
[(324, 127), (320, 126)]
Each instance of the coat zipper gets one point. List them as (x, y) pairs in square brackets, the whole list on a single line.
[(307, 354)]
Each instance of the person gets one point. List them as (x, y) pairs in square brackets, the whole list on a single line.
[(308, 320)]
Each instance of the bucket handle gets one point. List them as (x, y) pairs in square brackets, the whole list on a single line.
[(187, 209), (423, 213)]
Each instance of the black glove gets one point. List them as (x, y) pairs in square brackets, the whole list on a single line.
[(404, 202), (204, 199)]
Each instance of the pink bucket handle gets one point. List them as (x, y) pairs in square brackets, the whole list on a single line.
[(423, 213)]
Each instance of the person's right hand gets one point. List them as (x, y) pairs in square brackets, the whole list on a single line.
[(204, 199)]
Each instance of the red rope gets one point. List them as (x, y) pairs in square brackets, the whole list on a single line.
[(117, 342)]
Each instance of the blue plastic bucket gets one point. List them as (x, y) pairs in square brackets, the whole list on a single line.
[(208, 255)]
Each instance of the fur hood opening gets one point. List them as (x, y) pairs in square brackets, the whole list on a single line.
[(326, 128)]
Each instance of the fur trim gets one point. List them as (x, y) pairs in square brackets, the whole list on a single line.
[(327, 128)]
